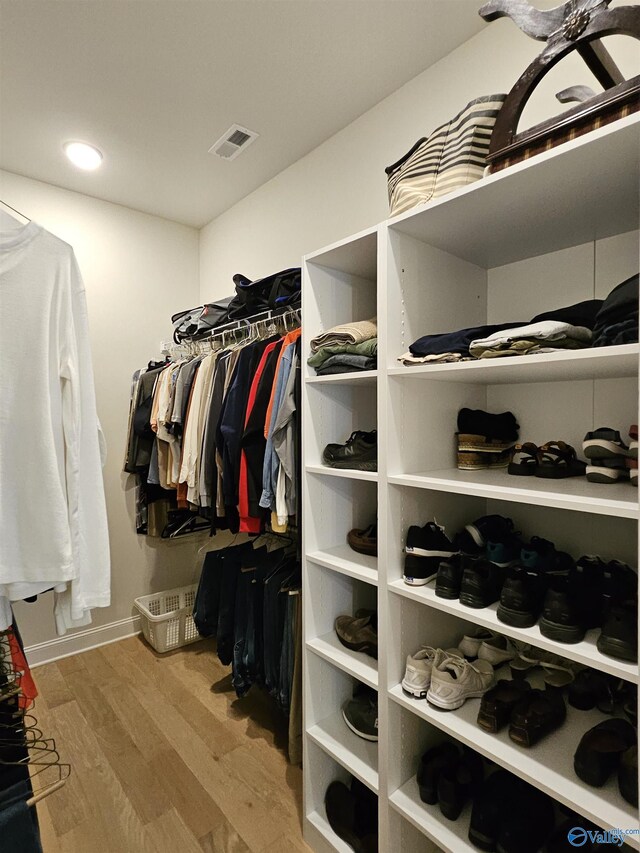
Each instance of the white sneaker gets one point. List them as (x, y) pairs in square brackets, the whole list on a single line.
[(470, 644), (456, 680), (417, 676), (499, 650)]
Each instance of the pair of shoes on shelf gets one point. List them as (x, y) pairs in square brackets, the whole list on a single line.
[(352, 812), (358, 453), (609, 747), (510, 815), (361, 713), (610, 695), (450, 776), (610, 459), (531, 714), (485, 440), (359, 633), (364, 540), (554, 460)]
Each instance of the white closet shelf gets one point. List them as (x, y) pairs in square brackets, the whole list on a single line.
[(363, 377), (355, 754), (323, 826), (599, 363), (548, 765), (584, 652), (450, 836), (358, 664), (574, 493), (580, 191), (348, 473), (348, 562), (355, 255)]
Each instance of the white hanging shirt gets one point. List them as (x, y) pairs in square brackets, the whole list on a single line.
[(53, 521)]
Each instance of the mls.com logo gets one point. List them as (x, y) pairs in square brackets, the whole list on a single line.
[(578, 837)]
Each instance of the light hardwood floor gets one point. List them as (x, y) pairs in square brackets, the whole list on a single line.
[(164, 758)]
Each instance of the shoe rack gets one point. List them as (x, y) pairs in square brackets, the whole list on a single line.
[(555, 230)]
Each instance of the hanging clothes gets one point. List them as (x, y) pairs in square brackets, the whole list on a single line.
[(216, 435), (53, 524)]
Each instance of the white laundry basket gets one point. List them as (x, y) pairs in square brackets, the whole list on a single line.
[(166, 618)]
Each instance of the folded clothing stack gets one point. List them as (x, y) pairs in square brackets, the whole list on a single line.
[(485, 440), (617, 319), (571, 327), (347, 348)]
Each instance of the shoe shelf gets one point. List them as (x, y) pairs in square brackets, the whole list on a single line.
[(614, 362), (348, 562), (320, 823), (585, 652), (580, 191), (358, 756), (574, 493), (345, 473), (450, 836), (548, 765), (364, 377), (359, 665)]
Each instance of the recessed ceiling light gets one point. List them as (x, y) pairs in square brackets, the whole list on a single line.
[(82, 155)]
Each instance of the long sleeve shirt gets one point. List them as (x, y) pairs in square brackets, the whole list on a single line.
[(53, 523)]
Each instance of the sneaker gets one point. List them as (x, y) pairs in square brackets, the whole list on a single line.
[(418, 571), (619, 636), (364, 541), (610, 470), (360, 634), (361, 715), (522, 597), (506, 551), (481, 584), (539, 554), (473, 539), (429, 541), (574, 602), (502, 428), (619, 584), (449, 577), (604, 443), (498, 650), (417, 676), (470, 644), (360, 452), (456, 680)]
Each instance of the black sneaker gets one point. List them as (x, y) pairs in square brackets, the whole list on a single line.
[(481, 584), (361, 715), (504, 552), (449, 577), (473, 539), (522, 597), (620, 584), (574, 602), (429, 541), (539, 554), (619, 636), (360, 452)]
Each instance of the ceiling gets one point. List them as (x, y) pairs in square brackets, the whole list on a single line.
[(154, 83)]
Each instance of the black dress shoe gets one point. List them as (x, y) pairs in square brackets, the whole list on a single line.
[(490, 804), (537, 714), (457, 782), (431, 765), (600, 750), (528, 822), (628, 775)]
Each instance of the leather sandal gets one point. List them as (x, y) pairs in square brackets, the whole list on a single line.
[(524, 460), (558, 460)]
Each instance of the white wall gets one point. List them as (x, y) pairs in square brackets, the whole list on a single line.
[(138, 270), (340, 187)]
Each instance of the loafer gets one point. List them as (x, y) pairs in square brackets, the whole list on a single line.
[(600, 750), (537, 714), (497, 704), (358, 633), (364, 541)]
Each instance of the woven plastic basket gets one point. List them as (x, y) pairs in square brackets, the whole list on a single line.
[(166, 618)]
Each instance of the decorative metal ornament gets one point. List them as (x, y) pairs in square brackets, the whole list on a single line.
[(575, 24)]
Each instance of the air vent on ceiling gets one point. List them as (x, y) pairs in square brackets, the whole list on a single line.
[(233, 142)]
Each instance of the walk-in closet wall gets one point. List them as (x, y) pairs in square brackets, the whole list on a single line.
[(137, 270), (340, 187)]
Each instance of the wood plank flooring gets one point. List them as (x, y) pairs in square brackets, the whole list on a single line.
[(164, 757)]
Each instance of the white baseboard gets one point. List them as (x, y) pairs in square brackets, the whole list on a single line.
[(82, 641)]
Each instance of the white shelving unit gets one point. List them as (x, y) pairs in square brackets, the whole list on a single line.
[(554, 230)]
